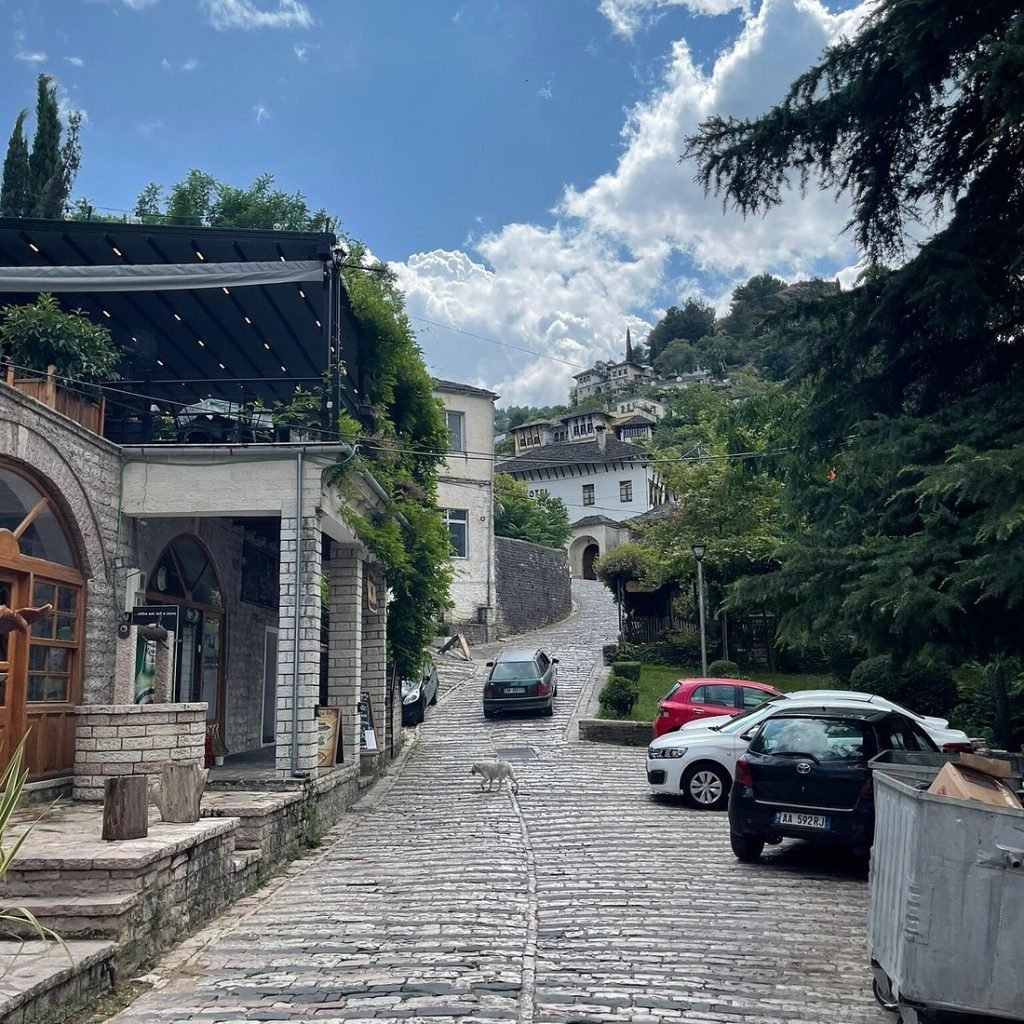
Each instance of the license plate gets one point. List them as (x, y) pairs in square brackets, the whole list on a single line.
[(514, 689), (802, 820)]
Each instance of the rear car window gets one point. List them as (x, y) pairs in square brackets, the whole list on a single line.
[(754, 698), (509, 671), (673, 689), (825, 739), (716, 693)]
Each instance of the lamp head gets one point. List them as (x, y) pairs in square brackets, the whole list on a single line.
[(698, 550)]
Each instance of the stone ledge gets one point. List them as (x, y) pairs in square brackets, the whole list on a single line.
[(40, 982), (610, 730), (137, 709)]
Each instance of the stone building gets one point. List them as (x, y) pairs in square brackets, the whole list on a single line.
[(176, 500), (465, 495)]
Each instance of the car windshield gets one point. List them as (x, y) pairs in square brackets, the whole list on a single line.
[(408, 685), (824, 739), (743, 720), (509, 671)]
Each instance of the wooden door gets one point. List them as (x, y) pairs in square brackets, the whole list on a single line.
[(11, 662)]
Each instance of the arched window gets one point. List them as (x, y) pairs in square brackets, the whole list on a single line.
[(40, 673)]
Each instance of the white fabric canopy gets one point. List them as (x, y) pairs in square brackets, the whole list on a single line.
[(157, 277)]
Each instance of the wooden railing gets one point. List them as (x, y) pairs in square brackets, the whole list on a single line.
[(83, 411)]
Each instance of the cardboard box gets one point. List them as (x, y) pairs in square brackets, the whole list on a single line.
[(961, 783), (996, 767)]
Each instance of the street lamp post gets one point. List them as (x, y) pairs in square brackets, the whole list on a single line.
[(698, 554)]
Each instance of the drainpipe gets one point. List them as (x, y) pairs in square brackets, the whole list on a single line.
[(298, 616)]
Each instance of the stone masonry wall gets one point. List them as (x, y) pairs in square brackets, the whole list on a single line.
[(80, 470), (532, 584), (133, 739)]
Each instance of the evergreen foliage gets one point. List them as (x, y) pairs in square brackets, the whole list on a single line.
[(38, 183), (16, 189), (906, 485)]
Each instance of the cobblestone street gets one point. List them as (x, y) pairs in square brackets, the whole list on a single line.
[(582, 899)]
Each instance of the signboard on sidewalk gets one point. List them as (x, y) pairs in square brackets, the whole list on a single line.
[(367, 732)]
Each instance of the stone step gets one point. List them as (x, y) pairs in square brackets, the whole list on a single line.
[(99, 916), (43, 982)]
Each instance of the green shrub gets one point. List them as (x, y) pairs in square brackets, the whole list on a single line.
[(610, 652), (627, 669), (686, 647), (723, 669), (926, 690), (618, 696), (841, 655)]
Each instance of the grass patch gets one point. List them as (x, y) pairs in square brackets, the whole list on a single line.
[(655, 681)]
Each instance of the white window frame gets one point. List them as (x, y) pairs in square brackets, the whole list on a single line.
[(460, 420), (457, 517), (625, 492)]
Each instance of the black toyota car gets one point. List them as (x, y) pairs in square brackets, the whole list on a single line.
[(805, 775)]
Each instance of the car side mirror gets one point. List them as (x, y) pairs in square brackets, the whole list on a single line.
[(554, 661), (748, 735), (490, 664)]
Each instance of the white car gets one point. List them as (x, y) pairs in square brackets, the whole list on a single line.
[(697, 761)]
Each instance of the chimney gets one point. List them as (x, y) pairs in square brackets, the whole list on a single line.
[(601, 430)]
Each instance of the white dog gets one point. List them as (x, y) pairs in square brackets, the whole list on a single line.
[(491, 770)]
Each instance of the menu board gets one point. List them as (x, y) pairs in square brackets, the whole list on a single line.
[(367, 733)]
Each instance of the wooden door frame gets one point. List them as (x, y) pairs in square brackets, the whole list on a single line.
[(267, 630)]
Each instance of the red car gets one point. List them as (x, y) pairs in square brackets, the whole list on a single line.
[(693, 699)]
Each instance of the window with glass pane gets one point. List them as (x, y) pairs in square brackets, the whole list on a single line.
[(457, 521), (625, 490), (588, 494), (24, 507), (53, 644), (456, 431)]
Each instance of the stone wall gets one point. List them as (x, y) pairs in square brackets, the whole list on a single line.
[(133, 739), (532, 584), (81, 472)]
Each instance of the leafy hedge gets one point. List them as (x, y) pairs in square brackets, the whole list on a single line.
[(724, 669), (627, 669), (618, 696)]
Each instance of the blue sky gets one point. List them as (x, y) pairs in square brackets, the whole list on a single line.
[(515, 160)]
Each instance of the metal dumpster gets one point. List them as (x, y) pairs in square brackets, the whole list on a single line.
[(946, 919)]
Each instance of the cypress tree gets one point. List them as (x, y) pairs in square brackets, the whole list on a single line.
[(44, 162), (15, 189)]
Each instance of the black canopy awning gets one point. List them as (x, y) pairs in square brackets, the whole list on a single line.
[(198, 312)]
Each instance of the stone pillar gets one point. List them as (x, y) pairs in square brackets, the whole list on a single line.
[(345, 645), (374, 655), (306, 689)]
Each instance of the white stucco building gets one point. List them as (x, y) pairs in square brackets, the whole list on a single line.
[(602, 482), (465, 495)]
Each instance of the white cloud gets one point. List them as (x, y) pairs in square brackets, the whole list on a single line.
[(245, 14), (641, 236), (304, 50), (30, 56), (545, 92), (190, 65), (457, 16), (261, 112), (75, 61), (132, 5), (165, 64), (628, 16)]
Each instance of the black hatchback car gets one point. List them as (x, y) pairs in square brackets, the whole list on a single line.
[(521, 680), (805, 775)]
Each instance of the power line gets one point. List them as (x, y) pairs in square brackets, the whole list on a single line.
[(503, 344)]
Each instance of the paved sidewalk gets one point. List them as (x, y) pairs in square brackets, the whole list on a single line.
[(579, 900)]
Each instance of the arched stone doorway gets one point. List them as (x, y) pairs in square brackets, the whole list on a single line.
[(40, 657), (590, 554), (185, 574), (583, 552)]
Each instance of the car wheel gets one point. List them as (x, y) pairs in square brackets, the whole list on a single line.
[(433, 700), (550, 709), (706, 786), (747, 848)]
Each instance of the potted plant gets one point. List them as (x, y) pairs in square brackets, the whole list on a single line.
[(216, 749)]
